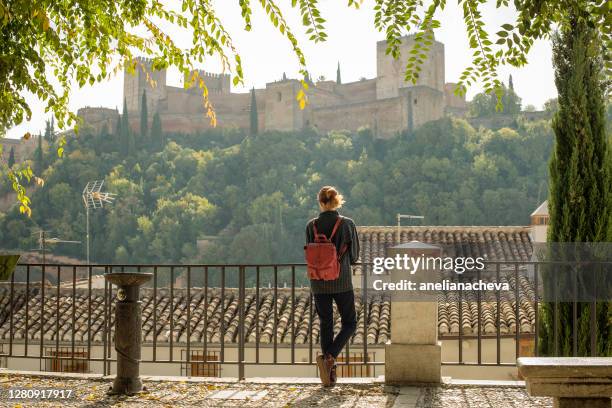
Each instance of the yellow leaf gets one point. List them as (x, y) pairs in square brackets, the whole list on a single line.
[(45, 23), (302, 104), (27, 136)]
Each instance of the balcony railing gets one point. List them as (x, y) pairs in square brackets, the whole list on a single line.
[(243, 315)]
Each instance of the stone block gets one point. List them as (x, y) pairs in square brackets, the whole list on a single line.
[(414, 322), (413, 363), (574, 382)]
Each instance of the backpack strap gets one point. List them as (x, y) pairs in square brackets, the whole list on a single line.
[(336, 225)]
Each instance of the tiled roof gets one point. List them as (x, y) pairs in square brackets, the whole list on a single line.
[(448, 310), (378, 315), (490, 243)]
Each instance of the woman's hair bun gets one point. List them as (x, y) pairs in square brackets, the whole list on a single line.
[(329, 198)]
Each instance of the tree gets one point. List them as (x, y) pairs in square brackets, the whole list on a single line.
[(338, 77), (510, 83), (126, 137), (484, 104), (253, 114), (580, 200), (157, 136), (551, 106), (80, 40), (50, 130), (530, 108), (144, 119), (38, 157), (11, 158)]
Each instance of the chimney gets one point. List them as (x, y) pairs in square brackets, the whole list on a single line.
[(539, 223)]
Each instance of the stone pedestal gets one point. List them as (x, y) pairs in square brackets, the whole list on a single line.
[(128, 331), (413, 355), (573, 382)]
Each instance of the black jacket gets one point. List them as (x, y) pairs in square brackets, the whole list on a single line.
[(345, 235)]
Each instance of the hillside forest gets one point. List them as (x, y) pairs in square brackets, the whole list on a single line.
[(246, 198)]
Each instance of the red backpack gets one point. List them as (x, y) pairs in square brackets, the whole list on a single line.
[(322, 259)]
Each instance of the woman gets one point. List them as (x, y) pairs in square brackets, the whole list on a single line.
[(339, 290)]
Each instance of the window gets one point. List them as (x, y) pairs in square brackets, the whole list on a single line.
[(200, 366), (279, 96), (354, 370), (415, 101), (63, 360)]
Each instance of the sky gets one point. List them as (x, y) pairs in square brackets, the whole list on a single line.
[(351, 42)]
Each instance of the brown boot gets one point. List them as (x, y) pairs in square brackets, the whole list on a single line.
[(324, 371), (332, 375)]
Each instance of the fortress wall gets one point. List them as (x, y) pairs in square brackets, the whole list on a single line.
[(322, 97), (180, 100), (95, 119), (384, 117), (450, 99), (359, 91), (23, 149), (195, 122), (423, 104)]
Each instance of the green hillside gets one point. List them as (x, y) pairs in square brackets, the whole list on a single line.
[(249, 198)]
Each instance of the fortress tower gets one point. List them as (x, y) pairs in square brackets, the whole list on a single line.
[(216, 83), (424, 100), (134, 84)]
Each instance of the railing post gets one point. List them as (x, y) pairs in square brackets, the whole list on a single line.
[(128, 330), (414, 354), (241, 284)]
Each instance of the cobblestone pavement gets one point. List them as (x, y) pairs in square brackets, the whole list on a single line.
[(91, 393), (479, 397)]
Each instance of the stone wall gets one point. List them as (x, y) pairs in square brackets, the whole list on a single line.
[(385, 117), (96, 119)]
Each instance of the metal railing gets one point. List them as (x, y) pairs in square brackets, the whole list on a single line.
[(43, 304), (514, 270), (80, 326)]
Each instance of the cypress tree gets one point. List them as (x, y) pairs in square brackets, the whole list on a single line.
[(124, 131), (580, 203), (38, 157), (157, 137), (510, 83), (11, 158), (49, 131), (144, 119), (254, 118), (338, 77)]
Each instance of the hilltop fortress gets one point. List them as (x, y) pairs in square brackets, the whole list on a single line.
[(386, 104)]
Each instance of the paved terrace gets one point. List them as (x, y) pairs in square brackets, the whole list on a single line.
[(91, 390)]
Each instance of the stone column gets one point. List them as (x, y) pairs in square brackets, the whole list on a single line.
[(413, 355), (128, 330)]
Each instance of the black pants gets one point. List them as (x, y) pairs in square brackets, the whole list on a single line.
[(345, 302)]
